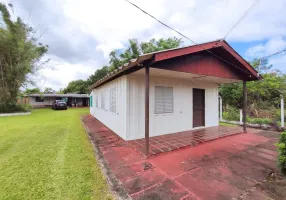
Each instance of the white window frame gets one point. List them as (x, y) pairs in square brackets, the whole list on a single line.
[(164, 102)]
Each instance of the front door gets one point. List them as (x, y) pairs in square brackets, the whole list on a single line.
[(198, 107)]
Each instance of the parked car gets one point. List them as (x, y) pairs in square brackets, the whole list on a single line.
[(59, 105)]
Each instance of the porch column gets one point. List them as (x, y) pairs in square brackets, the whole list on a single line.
[(147, 82), (244, 106)]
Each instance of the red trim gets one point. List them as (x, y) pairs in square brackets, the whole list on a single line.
[(208, 46), (201, 63), (239, 58), (184, 51), (246, 71)]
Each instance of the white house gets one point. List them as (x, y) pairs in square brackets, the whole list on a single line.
[(46, 100), (168, 91)]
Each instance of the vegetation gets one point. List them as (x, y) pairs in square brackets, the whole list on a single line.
[(226, 124), (20, 55), (10, 108), (32, 91), (118, 57), (135, 49), (282, 152), (78, 87), (54, 161), (263, 96)]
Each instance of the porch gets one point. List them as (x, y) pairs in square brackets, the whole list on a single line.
[(220, 169), (170, 91), (165, 143)]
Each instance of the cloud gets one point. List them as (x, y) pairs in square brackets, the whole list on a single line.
[(82, 33), (270, 47)]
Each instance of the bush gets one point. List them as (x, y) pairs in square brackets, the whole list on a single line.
[(231, 114), (12, 108), (278, 115), (282, 152), (259, 121)]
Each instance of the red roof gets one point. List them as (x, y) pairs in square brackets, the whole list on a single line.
[(219, 49)]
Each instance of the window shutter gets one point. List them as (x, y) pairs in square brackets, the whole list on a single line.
[(113, 100), (96, 100), (163, 100), (90, 101), (102, 100), (159, 100), (168, 100)]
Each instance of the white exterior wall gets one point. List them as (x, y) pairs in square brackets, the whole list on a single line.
[(47, 101), (117, 122), (128, 121), (182, 117)]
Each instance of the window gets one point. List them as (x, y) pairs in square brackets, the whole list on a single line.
[(113, 100), (102, 100), (39, 99), (96, 100), (163, 100)]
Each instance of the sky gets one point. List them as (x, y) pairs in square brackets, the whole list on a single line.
[(80, 34)]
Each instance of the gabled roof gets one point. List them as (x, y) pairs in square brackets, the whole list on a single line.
[(154, 57)]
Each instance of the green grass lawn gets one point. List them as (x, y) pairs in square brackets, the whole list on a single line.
[(226, 124), (47, 155)]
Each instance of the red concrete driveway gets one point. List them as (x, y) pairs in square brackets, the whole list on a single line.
[(226, 168)]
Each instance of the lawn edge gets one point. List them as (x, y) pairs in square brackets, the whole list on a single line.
[(117, 191)]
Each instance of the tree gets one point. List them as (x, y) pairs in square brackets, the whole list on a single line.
[(49, 91), (135, 49), (161, 44), (263, 94), (98, 74), (32, 91), (20, 55), (78, 87)]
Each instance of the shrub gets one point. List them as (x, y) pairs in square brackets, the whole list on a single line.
[(12, 108), (259, 121), (282, 152), (278, 115), (231, 114)]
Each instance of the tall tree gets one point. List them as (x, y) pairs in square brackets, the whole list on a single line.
[(78, 87), (20, 55), (32, 91), (135, 49), (98, 74), (119, 57), (162, 44), (49, 91)]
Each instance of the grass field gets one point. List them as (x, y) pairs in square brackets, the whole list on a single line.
[(226, 124), (47, 155)]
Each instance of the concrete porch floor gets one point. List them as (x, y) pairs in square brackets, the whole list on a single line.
[(169, 142), (235, 167)]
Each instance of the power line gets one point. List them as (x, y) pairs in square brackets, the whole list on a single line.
[(164, 24), (242, 17), (274, 54)]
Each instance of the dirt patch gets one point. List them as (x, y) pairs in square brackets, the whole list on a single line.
[(147, 166), (275, 186)]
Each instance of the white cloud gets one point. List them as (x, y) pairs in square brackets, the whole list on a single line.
[(272, 46), (82, 33), (106, 48)]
